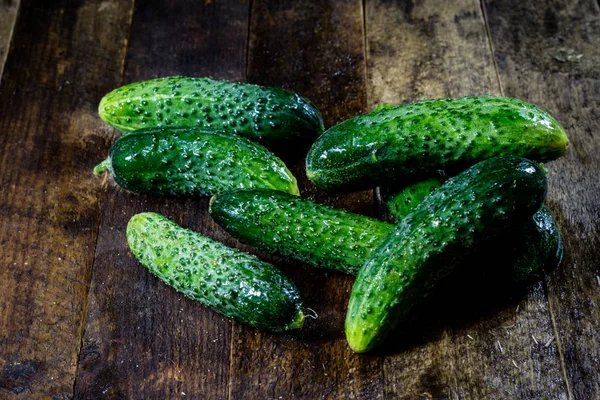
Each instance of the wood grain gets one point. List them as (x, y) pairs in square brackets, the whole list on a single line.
[(64, 55), (143, 339), (8, 16), (322, 60), (458, 348), (549, 53)]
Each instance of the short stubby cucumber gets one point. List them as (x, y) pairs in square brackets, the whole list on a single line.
[(299, 228), (434, 238), (263, 114), (194, 162), (407, 143), (235, 284)]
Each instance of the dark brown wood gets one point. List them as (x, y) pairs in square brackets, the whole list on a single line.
[(142, 338), (315, 48), (8, 16), (486, 347), (64, 56), (549, 53)]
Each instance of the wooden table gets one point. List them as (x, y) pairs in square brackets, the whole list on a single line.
[(80, 318)]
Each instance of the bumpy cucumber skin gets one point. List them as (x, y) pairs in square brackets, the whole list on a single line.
[(299, 228), (411, 142), (235, 284), (403, 202), (532, 246), (267, 115), (436, 236), (195, 162)]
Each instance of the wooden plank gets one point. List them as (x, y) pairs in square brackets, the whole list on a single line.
[(462, 348), (64, 55), (143, 339), (8, 16), (315, 48), (549, 53)]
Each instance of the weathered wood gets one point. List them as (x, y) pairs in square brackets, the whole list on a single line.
[(549, 53), (315, 48), (8, 16), (64, 55), (479, 347), (143, 339)]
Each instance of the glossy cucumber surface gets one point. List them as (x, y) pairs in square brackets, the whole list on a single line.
[(267, 115), (194, 162), (411, 142), (434, 238), (299, 228), (235, 284)]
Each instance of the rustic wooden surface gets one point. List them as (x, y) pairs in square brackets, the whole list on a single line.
[(79, 318)]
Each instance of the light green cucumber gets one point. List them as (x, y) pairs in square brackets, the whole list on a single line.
[(266, 115), (235, 284)]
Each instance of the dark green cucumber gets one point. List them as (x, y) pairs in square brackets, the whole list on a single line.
[(300, 228), (411, 142), (267, 115), (537, 247), (194, 162), (235, 284), (434, 238), (403, 202), (532, 246)]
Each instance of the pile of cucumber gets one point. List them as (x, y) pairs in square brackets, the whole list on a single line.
[(460, 175)]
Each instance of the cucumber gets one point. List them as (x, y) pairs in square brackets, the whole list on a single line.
[(300, 228), (411, 142), (534, 247), (194, 162), (235, 284), (403, 202), (434, 238), (267, 115)]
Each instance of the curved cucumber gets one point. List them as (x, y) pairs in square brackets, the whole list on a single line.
[(235, 284), (411, 142), (434, 238), (267, 115), (300, 228), (194, 162)]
